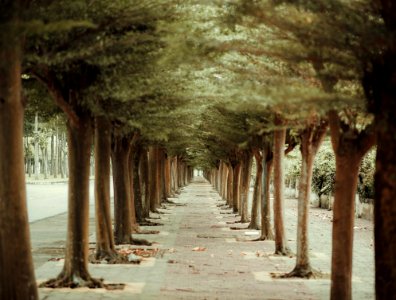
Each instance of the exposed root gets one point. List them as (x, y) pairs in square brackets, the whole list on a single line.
[(73, 281), (149, 223), (284, 252), (167, 201), (238, 228), (254, 226), (140, 242), (110, 256), (143, 231), (301, 272)]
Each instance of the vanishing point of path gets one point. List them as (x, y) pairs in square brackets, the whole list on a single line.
[(200, 257)]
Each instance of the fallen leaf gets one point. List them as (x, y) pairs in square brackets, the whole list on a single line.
[(199, 249)]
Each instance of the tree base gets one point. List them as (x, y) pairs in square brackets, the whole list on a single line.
[(254, 226), (143, 231), (300, 272), (73, 281), (149, 223), (284, 252), (140, 242)]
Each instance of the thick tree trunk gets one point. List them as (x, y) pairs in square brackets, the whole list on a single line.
[(105, 248), (245, 186), (75, 270), (347, 168), (281, 247), (168, 188), (153, 165), (235, 187), (17, 279), (266, 227), (349, 146), (122, 191), (256, 193), (385, 204)]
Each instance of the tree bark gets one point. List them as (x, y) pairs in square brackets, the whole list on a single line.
[(122, 190), (17, 280), (105, 248), (153, 182), (281, 247)]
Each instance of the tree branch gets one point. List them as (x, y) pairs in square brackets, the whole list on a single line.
[(59, 99)]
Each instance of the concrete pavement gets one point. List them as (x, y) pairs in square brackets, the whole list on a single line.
[(200, 257)]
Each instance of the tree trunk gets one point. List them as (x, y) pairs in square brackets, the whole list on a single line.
[(137, 153), (122, 191), (311, 139), (56, 165), (266, 162), (144, 167), (105, 248), (45, 159), (229, 185), (135, 225), (52, 155), (36, 148), (75, 270), (153, 182), (17, 279), (382, 97), (281, 247), (235, 187), (349, 147), (256, 192), (245, 186)]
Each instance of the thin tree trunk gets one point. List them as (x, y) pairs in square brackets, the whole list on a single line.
[(230, 177), (75, 270), (311, 139), (36, 148), (266, 162), (105, 248), (153, 169), (52, 170), (17, 279), (256, 193), (45, 159), (235, 189), (245, 187), (144, 166), (137, 153), (281, 247)]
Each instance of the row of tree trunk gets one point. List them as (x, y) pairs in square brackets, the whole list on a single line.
[(349, 145)]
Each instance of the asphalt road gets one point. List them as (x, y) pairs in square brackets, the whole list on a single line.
[(47, 200)]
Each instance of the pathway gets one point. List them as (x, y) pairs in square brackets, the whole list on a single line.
[(201, 258)]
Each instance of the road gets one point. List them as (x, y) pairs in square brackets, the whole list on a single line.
[(47, 200)]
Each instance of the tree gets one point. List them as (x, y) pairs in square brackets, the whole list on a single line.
[(17, 279)]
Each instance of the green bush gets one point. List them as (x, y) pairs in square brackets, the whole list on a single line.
[(323, 176)]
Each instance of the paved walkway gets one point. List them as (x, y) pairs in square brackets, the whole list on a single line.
[(200, 257)]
